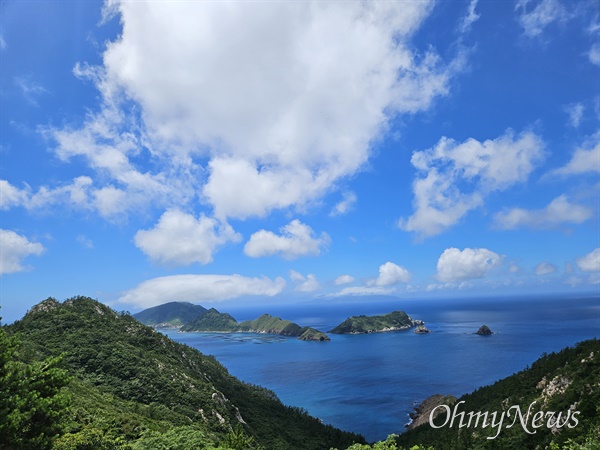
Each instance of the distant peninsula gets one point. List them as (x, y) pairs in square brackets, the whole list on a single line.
[(214, 321), (394, 321)]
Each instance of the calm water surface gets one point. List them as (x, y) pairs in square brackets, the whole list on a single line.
[(369, 383)]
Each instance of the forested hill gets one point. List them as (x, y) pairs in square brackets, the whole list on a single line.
[(132, 387), (560, 383), (170, 315)]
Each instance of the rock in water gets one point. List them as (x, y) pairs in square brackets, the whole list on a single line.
[(484, 331), (422, 329)]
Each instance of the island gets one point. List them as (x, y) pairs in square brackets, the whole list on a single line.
[(484, 331), (217, 322), (172, 315), (394, 321)]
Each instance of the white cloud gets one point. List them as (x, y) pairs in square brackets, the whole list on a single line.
[(585, 159), (296, 240), (287, 104), (456, 265), (10, 195), (594, 54), (308, 283), (470, 18), (589, 262), (541, 16), (575, 113), (545, 268), (199, 288), (344, 279), (13, 249), (363, 290), (559, 211), (179, 238), (492, 165), (345, 205), (389, 274)]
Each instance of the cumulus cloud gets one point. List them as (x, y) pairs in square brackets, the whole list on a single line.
[(199, 288), (585, 159), (344, 279), (308, 283), (545, 268), (13, 249), (296, 240), (180, 238), (492, 165), (589, 262), (456, 265), (535, 20), (287, 104), (389, 274), (345, 205), (559, 211)]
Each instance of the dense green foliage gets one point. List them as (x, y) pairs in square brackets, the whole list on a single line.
[(135, 388), (32, 401), (212, 320), (563, 382), (172, 314), (397, 320)]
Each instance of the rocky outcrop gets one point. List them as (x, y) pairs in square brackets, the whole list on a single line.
[(422, 412), (484, 331), (422, 329)]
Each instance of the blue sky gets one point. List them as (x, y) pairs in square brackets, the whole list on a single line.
[(248, 152)]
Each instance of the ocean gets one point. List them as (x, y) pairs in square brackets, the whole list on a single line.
[(369, 384)]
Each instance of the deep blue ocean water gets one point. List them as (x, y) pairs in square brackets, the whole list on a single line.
[(370, 383)]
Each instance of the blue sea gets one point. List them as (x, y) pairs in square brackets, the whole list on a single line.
[(370, 383)]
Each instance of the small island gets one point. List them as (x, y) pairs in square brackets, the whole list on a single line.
[(484, 331), (422, 329), (394, 321)]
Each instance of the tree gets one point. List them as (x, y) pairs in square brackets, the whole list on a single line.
[(31, 399)]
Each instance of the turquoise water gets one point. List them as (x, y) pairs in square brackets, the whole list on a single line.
[(369, 383)]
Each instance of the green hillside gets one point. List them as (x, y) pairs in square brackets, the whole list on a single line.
[(170, 315), (132, 387), (394, 321), (212, 320)]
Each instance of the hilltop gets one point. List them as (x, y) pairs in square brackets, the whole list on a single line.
[(394, 321), (170, 315), (133, 387)]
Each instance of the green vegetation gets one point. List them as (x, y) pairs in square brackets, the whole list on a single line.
[(394, 321), (170, 315), (131, 387), (213, 320), (310, 334), (32, 399), (563, 382)]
